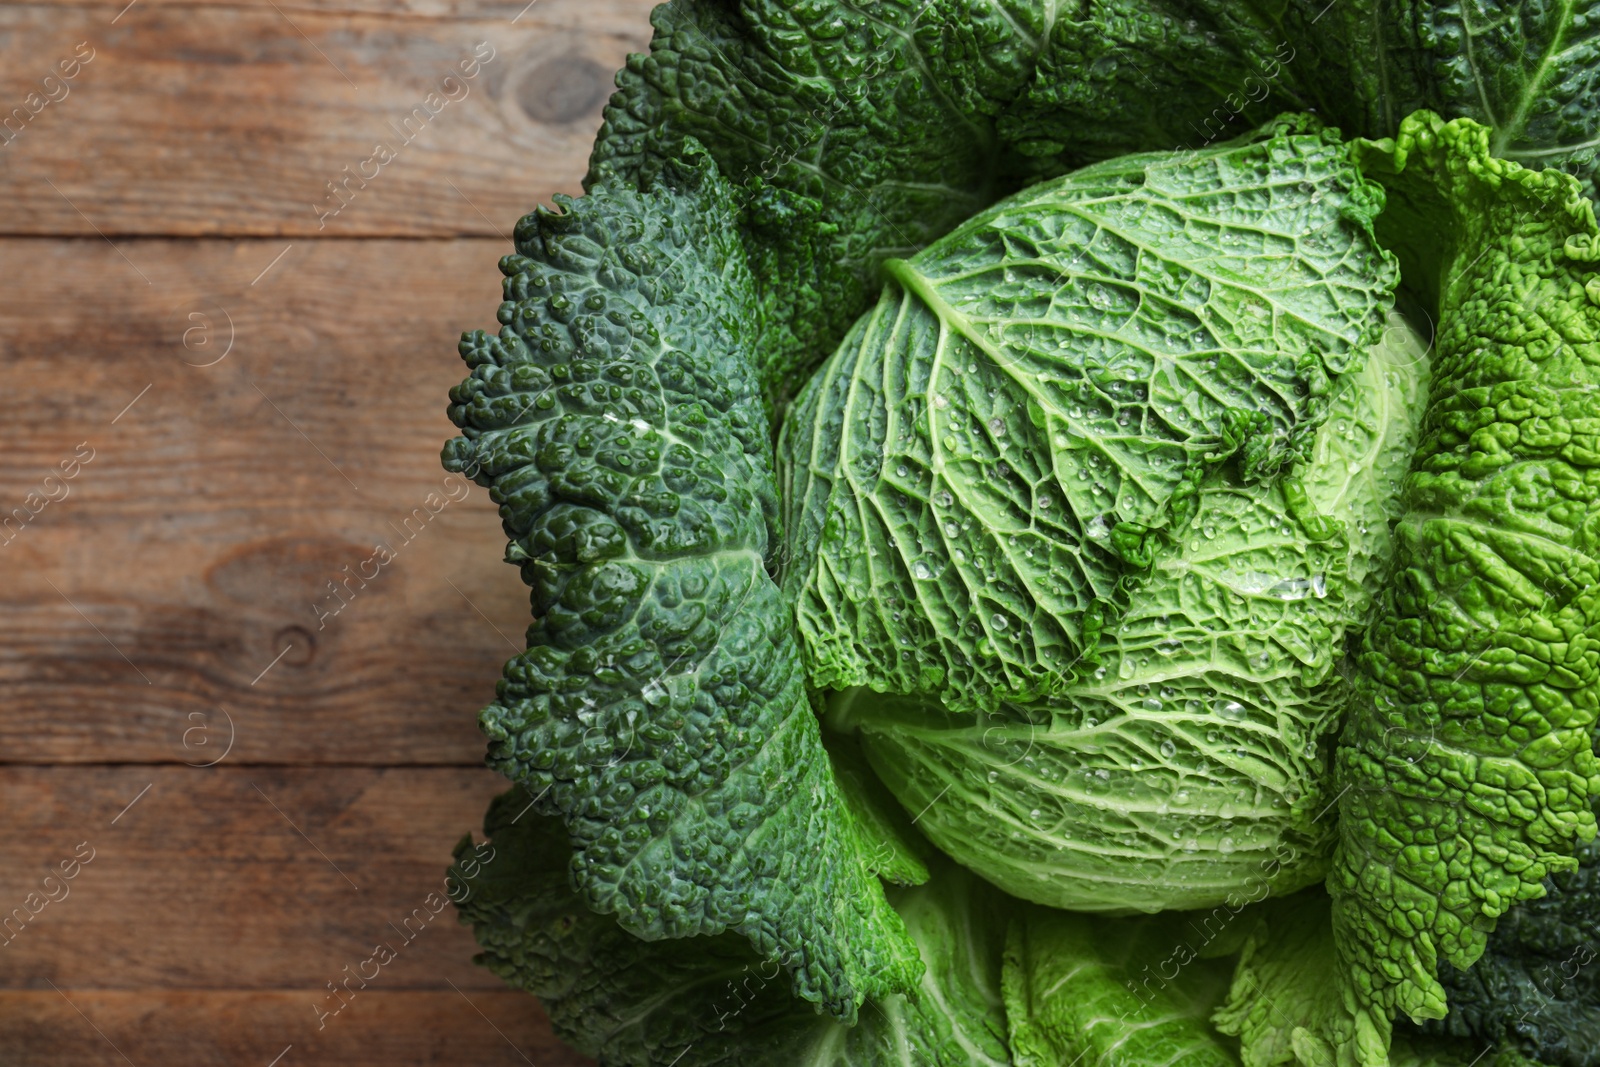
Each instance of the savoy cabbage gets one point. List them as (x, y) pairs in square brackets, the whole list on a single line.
[(1191, 765), (986, 469)]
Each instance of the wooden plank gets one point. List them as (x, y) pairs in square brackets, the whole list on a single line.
[(235, 120), (199, 542), (93, 1028), (456, 10), (236, 877)]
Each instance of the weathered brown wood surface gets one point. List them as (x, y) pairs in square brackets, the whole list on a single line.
[(250, 399), (233, 120), (239, 877), (199, 541), (380, 1029)]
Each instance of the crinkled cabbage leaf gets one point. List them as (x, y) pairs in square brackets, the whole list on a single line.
[(660, 708), (1466, 767), (1038, 397), (1192, 765), (713, 1002)]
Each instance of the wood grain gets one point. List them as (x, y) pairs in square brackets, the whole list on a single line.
[(237, 877), (234, 120), (217, 403), (208, 910), (457, 10), (94, 1028), (199, 542)]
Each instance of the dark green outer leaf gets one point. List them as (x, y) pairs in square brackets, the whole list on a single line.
[(660, 709), (711, 1002), (1122, 76), (855, 131), (1537, 985), (1528, 68)]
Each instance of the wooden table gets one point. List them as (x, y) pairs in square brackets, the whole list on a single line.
[(222, 387)]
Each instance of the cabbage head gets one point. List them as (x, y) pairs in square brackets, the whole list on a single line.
[(1190, 767), (1047, 546), (982, 467)]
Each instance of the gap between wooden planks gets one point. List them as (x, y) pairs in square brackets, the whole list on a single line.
[(198, 573), (165, 610), (239, 877), (211, 908), (199, 535)]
